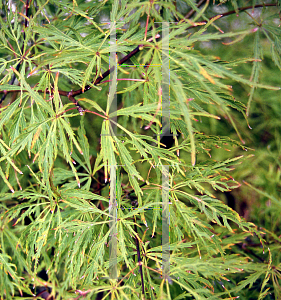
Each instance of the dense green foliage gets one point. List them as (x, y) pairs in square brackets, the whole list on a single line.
[(57, 149)]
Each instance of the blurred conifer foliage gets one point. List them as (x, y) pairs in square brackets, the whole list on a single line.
[(64, 155)]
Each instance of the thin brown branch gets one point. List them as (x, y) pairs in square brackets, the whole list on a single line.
[(72, 94), (192, 11), (82, 293), (45, 295), (246, 8), (106, 73), (71, 98), (233, 12)]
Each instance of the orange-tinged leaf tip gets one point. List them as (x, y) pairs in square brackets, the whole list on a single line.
[(206, 75), (193, 159)]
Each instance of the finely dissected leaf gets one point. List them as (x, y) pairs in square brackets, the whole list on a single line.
[(25, 138), (127, 160), (8, 87), (34, 94), (113, 14), (70, 133), (107, 148), (8, 158), (83, 141), (56, 131), (8, 267), (88, 72), (131, 87), (206, 75), (93, 103), (83, 195), (185, 110), (54, 33), (266, 278), (275, 41), (36, 136), (9, 112)]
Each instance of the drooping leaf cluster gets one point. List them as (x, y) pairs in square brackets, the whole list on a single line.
[(58, 146)]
